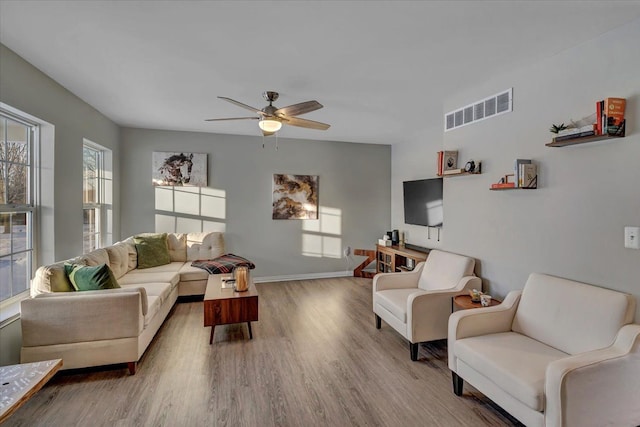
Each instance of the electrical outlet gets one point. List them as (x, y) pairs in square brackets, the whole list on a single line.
[(632, 237), (347, 251)]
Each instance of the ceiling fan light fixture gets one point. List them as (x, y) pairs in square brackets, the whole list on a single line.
[(270, 125)]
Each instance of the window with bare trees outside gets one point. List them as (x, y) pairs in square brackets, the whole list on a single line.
[(17, 208), (92, 194)]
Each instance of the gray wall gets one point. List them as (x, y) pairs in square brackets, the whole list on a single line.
[(354, 196), (24, 87), (572, 226)]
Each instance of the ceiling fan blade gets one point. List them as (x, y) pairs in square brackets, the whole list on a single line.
[(240, 104), (304, 123), (297, 109), (232, 118)]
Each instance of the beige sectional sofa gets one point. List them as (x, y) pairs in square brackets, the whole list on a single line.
[(93, 328)]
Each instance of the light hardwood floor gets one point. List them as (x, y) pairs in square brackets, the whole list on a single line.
[(316, 359)]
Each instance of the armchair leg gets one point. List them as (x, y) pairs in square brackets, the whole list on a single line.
[(414, 350), (458, 383), (378, 322)]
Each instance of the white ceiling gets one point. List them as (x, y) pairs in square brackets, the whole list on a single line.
[(381, 69)]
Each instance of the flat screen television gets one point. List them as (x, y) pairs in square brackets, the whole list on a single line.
[(423, 202)]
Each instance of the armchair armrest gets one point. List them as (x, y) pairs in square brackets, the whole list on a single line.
[(481, 321), (405, 279), (67, 317), (428, 311), (599, 387)]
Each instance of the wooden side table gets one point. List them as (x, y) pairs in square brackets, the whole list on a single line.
[(463, 302)]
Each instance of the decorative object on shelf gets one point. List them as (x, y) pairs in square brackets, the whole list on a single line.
[(449, 161), (557, 128), (470, 166), (295, 196), (504, 183), (179, 169)]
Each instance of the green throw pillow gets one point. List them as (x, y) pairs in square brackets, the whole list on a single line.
[(152, 249), (91, 278)]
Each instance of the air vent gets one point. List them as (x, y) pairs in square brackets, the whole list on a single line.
[(489, 107)]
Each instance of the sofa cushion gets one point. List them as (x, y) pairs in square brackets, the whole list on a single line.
[(571, 316), (156, 289), (443, 270), (51, 278), (190, 274), (395, 301), (222, 264), (133, 254), (514, 362), (152, 250), (140, 277), (118, 259), (91, 278), (97, 257), (208, 245), (177, 243)]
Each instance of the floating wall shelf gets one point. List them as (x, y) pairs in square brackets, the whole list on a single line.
[(582, 140)]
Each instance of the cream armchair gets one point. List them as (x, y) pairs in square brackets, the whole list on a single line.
[(558, 353), (418, 303)]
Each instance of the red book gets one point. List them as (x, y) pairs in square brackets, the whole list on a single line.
[(614, 113), (599, 117), (505, 185)]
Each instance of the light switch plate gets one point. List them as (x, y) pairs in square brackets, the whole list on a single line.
[(632, 237)]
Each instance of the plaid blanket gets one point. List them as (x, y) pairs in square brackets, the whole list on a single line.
[(223, 264)]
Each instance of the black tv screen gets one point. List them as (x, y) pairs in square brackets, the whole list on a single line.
[(423, 202)]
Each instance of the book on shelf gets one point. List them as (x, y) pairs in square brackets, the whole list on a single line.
[(440, 156), (614, 115), (529, 176), (449, 160), (499, 185), (574, 135), (453, 171), (599, 114), (516, 171)]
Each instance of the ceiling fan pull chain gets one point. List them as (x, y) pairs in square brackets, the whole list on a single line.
[(276, 142)]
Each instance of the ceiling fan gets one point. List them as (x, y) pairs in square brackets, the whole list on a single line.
[(272, 118)]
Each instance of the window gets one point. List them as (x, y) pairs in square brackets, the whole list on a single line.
[(92, 196), (17, 206)]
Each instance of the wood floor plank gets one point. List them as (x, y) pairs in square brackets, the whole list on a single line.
[(316, 359)]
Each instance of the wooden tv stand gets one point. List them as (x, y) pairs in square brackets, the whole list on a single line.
[(393, 259)]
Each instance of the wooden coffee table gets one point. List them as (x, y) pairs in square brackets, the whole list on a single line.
[(226, 306)]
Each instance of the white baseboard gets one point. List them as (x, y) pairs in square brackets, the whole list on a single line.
[(302, 276)]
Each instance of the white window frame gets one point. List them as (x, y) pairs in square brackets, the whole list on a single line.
[(30, 208), (98, 204)]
